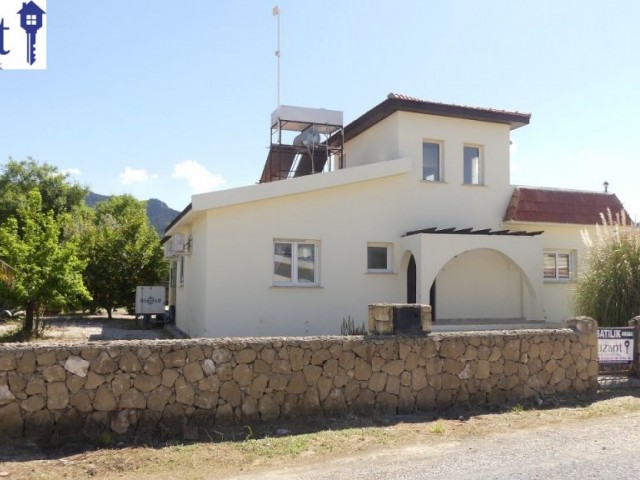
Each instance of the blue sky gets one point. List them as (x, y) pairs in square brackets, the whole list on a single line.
[(163, 99)]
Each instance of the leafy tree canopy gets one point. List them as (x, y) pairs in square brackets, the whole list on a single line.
[(122, 251), (18, 178), (47, 271)]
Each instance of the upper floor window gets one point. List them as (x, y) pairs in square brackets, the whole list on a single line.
[(558, 266), (431, 161), (295, 262), (472, 165)]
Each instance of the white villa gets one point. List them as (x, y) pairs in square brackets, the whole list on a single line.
[(409, 203)]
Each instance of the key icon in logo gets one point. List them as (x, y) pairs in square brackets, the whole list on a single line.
[(31, 21)]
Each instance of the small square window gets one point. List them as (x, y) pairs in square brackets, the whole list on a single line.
[(431, 161), (558, 266), (472, 166), (379, 257), (32, 20)]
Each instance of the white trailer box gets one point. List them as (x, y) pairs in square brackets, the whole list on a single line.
[(150, 300)]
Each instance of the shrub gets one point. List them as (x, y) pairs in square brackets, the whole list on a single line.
[(608, 287)]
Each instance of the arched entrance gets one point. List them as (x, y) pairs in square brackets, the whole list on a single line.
[(432, 300), (481, 284), (411, 280)]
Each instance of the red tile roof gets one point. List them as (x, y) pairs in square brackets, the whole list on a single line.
[(549, 205)]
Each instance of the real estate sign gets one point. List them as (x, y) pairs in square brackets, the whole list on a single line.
[(615, 345)]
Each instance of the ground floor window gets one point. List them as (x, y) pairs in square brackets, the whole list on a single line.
[(378, 257), (295, 262), (558, 266)]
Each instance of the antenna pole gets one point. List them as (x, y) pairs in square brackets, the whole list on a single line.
[(276, 13)]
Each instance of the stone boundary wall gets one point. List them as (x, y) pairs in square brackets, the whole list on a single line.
[(51, 392)]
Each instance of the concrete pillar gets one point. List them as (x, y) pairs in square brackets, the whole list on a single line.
[(584, 325), (381, 317), (587, 329)]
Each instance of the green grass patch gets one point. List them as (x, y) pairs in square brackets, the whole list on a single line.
[(438, 428), (275, 446)]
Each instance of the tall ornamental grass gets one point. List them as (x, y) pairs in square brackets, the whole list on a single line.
[(608, 287)]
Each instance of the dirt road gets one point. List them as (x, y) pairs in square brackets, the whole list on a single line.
[(597, 448)]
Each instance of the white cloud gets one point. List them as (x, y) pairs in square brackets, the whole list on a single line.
[(200, 179), (72, 171), (133, 175)]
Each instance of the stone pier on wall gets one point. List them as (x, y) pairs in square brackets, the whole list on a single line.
[(149, 386), (635, 323)]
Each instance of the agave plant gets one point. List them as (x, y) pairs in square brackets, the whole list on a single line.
[(608, 286), (349, 327)]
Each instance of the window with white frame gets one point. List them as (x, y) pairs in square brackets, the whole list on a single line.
[(472, 165), (432, 161), (182, 270), (558, 266), (379, 257), (295, 262)]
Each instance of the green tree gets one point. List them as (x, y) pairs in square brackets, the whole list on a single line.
[(122, 251), (7, 274), (58, 193), (608, 286), (48, 272)]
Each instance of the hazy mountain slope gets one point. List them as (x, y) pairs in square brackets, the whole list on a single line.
[(159, 213)]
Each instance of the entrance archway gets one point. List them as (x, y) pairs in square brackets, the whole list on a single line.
[(411, 280), (481, 284)]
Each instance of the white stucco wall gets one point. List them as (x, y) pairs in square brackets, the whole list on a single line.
[(377, 144), (476, 205), (565, 238), (229, 287), (191, 294), (241, 298)]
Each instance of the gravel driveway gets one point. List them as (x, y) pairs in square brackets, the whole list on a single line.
[(598, 448), (91, 328)]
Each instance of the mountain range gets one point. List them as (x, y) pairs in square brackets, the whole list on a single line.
[(159, 213)]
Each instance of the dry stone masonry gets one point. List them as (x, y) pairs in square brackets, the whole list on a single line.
[(146, 386)]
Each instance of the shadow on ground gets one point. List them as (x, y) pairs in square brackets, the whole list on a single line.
[(24, 450)]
